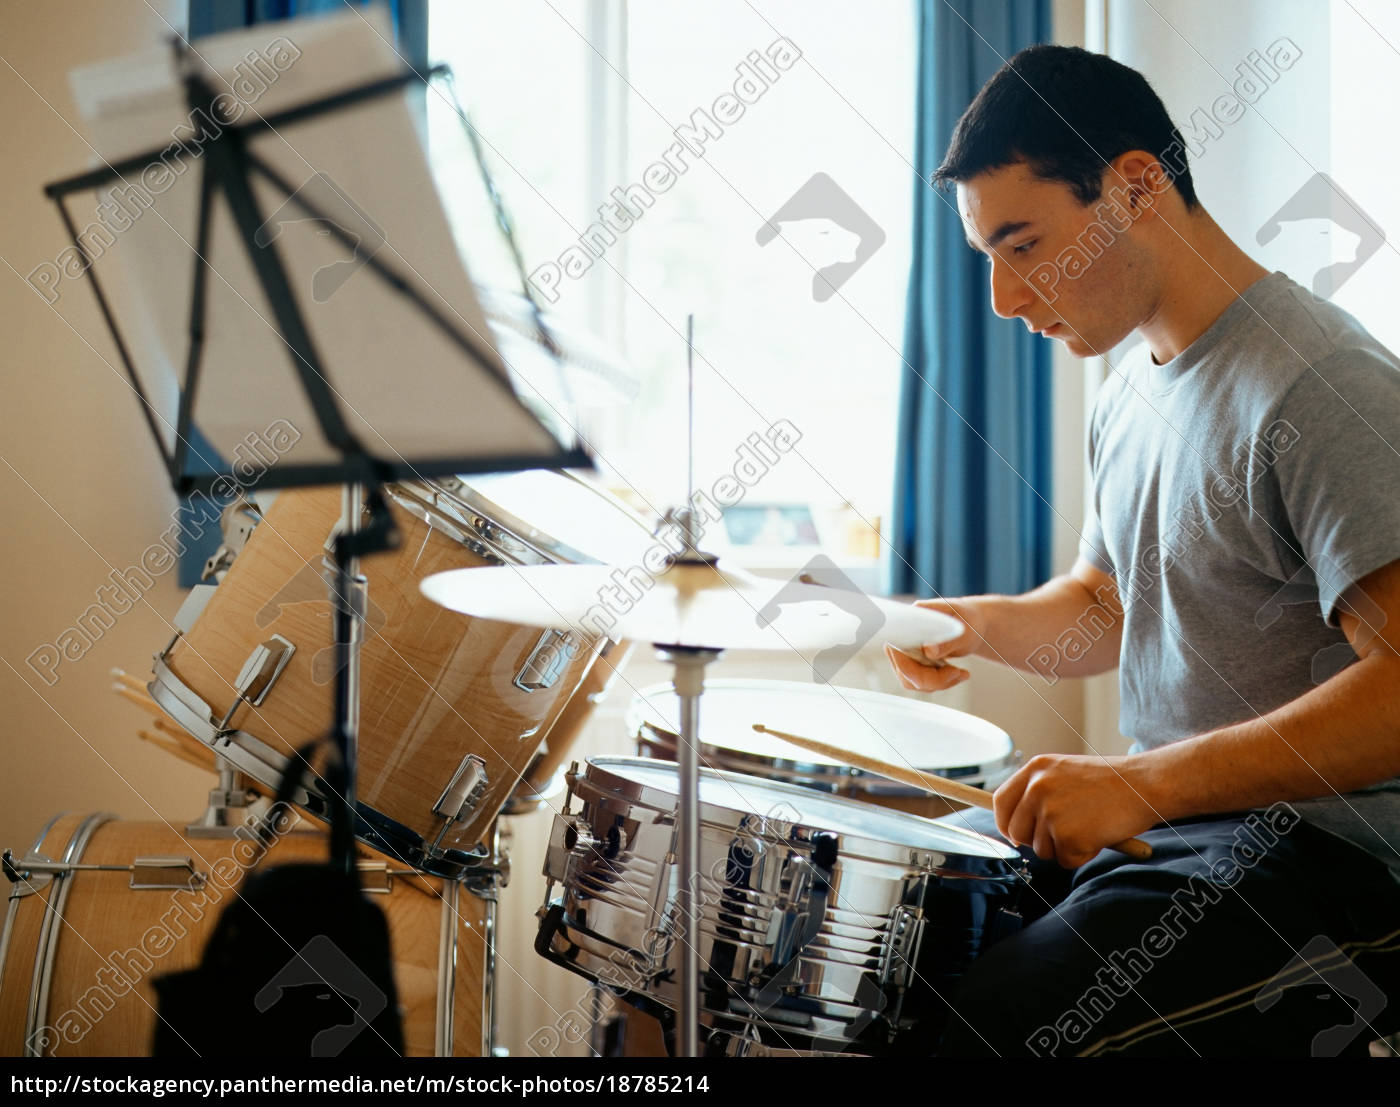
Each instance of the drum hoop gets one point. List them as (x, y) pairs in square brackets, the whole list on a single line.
[(464, 504), (875, 849), (41, 983), (809, 774)]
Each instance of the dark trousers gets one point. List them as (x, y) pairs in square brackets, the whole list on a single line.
[(1244, 935)]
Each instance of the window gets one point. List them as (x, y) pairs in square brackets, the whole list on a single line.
[(820, 130)]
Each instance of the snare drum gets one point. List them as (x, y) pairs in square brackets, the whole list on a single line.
[(452, 709), (82, 949), (826, 925), (911, 733)]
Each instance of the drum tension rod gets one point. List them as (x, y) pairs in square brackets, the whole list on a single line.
[(146, 872)]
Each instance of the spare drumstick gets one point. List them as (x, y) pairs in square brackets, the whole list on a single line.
[(140, 699), (199, 759), (940, 786), (136, 684)]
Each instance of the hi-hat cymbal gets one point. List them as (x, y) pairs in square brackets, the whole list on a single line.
[(698, 605)]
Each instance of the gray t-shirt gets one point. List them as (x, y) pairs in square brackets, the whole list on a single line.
[(1238, 490)]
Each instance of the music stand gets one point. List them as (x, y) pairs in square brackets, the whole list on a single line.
[(495, 432)]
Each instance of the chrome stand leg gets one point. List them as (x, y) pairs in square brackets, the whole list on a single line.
[(488, 994), (447, 970), (689, 664)]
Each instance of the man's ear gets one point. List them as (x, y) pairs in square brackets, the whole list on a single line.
[(1135, 179)]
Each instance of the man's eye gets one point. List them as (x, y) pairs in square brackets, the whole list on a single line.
[(1024, 247)]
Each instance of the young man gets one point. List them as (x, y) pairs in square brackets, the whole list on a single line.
[(1239, 565)]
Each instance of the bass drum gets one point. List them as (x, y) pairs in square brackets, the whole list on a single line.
[(452, 709), (83, 946), (934, 739)]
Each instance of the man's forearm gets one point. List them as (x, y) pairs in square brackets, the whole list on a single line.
[(1059, 629), (1341, 736)]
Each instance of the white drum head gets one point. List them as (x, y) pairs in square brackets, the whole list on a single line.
[(902, 731)]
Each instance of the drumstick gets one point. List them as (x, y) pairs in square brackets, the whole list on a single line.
[(165, 743), (140, 699), (927, 662), (136, 684), (134, 692), (949, 789)]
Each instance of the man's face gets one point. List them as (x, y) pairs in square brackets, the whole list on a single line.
[(1073, 272)]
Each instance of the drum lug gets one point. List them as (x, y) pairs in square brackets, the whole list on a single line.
[(547, 661), (155, 873), (237, 523), (464, 791), (901, 952), (258, 675)]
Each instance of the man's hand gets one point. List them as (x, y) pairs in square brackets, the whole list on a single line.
[(927, 676), (1067, 807)]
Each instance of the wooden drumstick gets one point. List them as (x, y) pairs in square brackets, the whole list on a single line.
[(140, 699), (941, 786), (926, 662), (136, 684), (167, 744)]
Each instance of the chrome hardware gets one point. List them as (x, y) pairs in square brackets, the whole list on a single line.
[(578, 840), (500, 852), (154, 873), (232, 804), (437, 506), (238, 522), (249, 754), (263, 667), (35, 871), (376, 878), (788, 925), (468, 785), (570, 840), (490, 981), (448, 923), (547, 661), (258, 675), (901, 949), (24, 875), (41, 983)]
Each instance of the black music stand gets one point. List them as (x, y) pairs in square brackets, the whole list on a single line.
[(227, 169)]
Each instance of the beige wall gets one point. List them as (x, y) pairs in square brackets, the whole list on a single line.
[(81, 492)]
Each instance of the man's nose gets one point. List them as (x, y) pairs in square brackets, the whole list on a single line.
[(1011, 295)]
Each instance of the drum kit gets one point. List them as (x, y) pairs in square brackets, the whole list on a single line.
[(830, 914), (774, 901)]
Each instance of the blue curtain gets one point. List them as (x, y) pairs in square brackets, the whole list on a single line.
[(202, 537), (966, 520)]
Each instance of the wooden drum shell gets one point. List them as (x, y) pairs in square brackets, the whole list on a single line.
[(111, 941), (436, 686)]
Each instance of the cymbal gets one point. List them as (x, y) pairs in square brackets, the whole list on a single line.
[(698, 605)]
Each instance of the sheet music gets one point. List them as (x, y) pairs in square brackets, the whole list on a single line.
[(405, 390)]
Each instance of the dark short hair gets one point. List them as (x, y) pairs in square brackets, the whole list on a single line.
[(1065, 113)]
